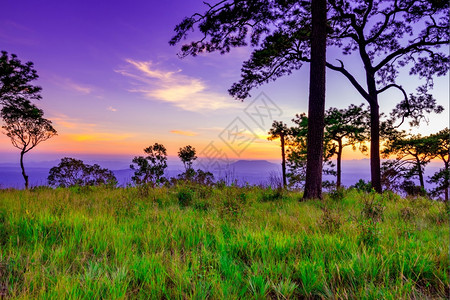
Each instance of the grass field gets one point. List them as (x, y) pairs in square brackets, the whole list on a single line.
[(220, 243)]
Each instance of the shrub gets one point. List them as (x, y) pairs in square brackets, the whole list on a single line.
[(270, 194), (368, 234), (337, 194), (373, 208), (330, 221), (185, 197), (362, 186)]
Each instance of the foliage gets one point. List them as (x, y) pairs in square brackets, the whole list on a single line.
[(187, 156), (73, 172), (413, 154), (362, 186), (441, 181), (387, 35), (440, 142), (26, 127), (150, 169), (297, 152), (348, 127), (15, 81), (109, 244), (199, 177), (185, 197)]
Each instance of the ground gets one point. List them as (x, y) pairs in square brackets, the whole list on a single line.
[(197, 242)]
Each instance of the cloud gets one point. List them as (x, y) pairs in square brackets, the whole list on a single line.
[(64, 121), (97, 137), (182, 132), (71, 85), (186, 92), (110, 108), (78, 130)]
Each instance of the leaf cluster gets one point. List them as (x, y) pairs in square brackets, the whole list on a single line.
[(74, 172), (150, 168)]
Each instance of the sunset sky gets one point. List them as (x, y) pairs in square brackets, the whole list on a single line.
[(113, 85)]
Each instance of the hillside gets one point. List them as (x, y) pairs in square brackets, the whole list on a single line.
[(201, 242)]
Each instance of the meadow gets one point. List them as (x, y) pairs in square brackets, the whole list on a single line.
[(201, 242)]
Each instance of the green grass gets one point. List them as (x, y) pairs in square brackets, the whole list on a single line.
[(227, 243)]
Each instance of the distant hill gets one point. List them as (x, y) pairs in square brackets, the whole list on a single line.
[(242, 171)]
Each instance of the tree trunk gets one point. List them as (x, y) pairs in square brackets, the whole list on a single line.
[(316, 110), (339, 166), (420, 173), (375, 161), (283, 161), (25, 176), (446, 179)]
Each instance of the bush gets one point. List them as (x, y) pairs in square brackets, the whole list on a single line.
[(270, 194), (362, 186), (337, 194), (330, 221), (373, 208), (369, 234), (185, 197)]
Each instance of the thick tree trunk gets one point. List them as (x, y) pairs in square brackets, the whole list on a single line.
[(316, 110), (375, 161), (283, 160), (339, 166), (25, 176)]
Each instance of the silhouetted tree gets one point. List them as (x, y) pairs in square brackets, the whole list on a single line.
[(26, 126), (73, 172), (387, 35), (187, 156), (297, 153), (440, 143), (150, 169), (346, 127), (280, 131), (413, 154), (15, 78)]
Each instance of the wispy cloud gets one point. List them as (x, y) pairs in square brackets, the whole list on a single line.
[(78, 130), (71, 85), (186, 92), (65, 121), (110, 108), (184, 132)]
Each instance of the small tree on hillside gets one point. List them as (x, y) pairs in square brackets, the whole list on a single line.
[(280, 131), (150, 169), (73, 172), (413, 154), (187, 155), (346, 127), (26, 126), (297, 153), (441, 149)]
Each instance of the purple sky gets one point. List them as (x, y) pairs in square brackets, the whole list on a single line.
[(112, 84)]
